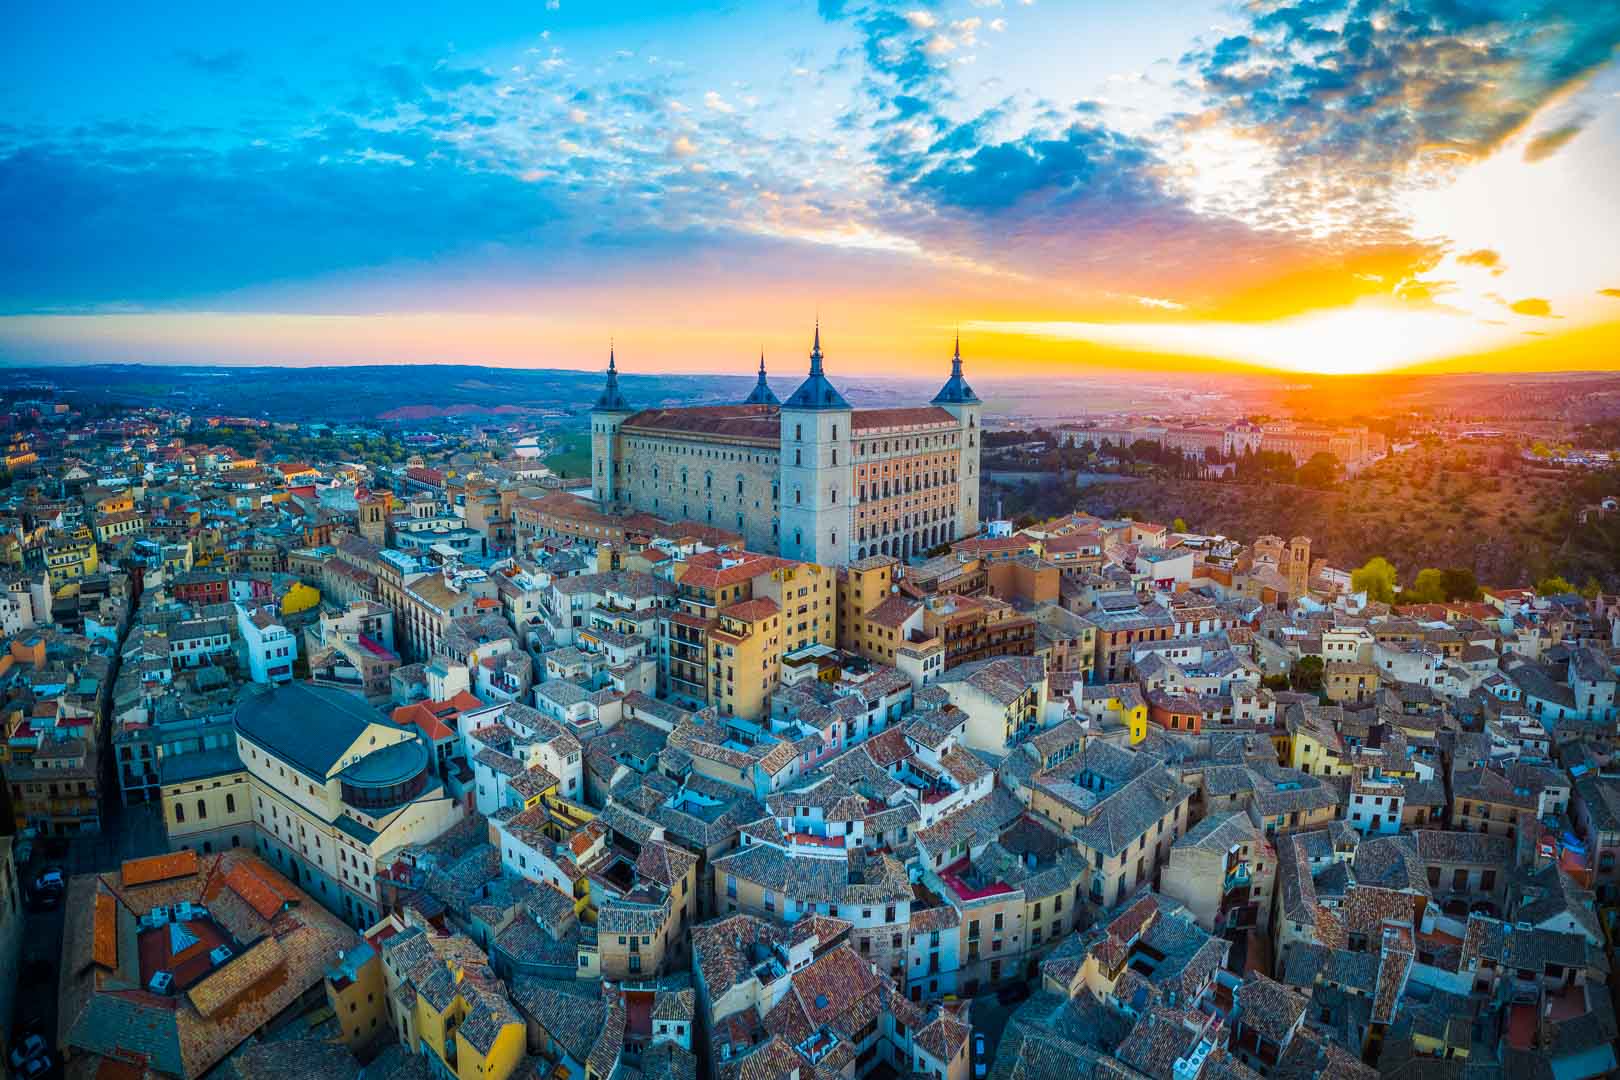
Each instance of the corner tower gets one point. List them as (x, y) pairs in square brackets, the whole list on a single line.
[(816, 471), (607, 414), (762, 393), (957, 398)]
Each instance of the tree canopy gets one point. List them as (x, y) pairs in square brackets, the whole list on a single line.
[(1376, 578)]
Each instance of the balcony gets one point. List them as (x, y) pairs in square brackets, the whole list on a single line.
[(1238, 877)]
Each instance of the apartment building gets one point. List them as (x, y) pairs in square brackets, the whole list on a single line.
[(1004, 699), (269, 646), (1224, 870), (1123, 809), (446, 1003)]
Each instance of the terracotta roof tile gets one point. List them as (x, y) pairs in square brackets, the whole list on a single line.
[(159, 868), (866, 419), (105, 949), (264, 890)]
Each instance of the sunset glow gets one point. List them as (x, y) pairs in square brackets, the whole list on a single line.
[(1075, 185)]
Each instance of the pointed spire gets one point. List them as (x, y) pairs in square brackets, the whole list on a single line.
[(956, 391), (761, 394), (816, 392), (612, 400)]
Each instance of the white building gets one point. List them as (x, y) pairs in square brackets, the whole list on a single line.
[(270, 647), (505, 741)]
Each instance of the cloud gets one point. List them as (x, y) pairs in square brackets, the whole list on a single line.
[(921, 20), (1084, 164), (1160, 303), (180, 223), (1360, 100), (1615, 293), (714, 101), (683, 147), (1534, 306), (1484, 257), (1548, 143)]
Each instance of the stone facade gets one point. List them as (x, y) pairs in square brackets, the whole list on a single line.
[(811, 478)]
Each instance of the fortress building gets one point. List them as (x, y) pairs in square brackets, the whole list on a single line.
[(810, 478)]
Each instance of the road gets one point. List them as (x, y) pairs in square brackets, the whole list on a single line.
[(127, 833)]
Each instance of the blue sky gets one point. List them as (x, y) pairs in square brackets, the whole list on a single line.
[(514, 183)]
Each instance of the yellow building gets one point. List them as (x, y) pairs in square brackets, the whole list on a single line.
[(745, 657), (209, 811), (1349, 680), (355, 990), (1314, 745), (1115, 705), (862, 587), (741, 612), (72, 557), (103, 501), (110, 527), (445, 1001)]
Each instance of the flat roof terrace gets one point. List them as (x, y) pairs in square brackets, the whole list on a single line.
[(195, 939)]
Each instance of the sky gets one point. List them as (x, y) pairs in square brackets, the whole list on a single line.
[(1323, 186)]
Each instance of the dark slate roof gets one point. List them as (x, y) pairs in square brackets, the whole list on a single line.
[(309, 726), (816, 392), (762, 393), (612, 399), (956, 391)]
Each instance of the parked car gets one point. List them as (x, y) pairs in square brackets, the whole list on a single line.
[(981, 1063), (50, 878), (26, 1049), (35, 1067)]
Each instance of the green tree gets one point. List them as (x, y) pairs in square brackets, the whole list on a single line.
[(1553, 586), (1321, 471), (1306, 675), (1179, 525), (1429, 587), (1376, 579), (1460, 583), (1592, 589)]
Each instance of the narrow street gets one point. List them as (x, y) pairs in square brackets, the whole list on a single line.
[(128, 833)]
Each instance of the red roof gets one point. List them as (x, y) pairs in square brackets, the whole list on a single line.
[(264, 890), (866, 419), (711, 569), (176, 864), (430, 716), (756, 422), (760, 607)]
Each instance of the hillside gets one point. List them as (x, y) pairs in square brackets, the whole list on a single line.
[(1432, 506)]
